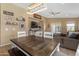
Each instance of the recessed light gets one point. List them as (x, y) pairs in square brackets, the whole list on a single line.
[(52, 15)]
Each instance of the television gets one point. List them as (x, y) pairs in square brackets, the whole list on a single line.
[(34, 24)]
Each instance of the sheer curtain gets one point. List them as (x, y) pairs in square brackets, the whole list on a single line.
[(56, 27), (70, 26)]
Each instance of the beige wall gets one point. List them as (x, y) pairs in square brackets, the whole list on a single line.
[(63, 22), (7, 35), (18, 11), (0, 23)]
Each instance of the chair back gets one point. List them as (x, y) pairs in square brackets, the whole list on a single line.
[(21, 34)]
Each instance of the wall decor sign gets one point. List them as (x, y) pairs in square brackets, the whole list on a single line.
[(11, 23), (8, 13), (9, 18), (36, 16)]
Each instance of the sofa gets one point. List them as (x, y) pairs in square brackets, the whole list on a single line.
[(69, 41)]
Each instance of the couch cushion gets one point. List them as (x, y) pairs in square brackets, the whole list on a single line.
[(78, 36), (64, 35), (74, 36)]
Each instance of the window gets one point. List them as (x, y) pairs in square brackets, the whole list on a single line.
[(56, 27), (70, 27)]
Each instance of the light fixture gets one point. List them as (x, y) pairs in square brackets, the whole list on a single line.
[(36, 8), (37, 11), (40, 10), (34, 5), (29, 13)]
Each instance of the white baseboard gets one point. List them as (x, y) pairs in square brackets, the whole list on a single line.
[(5, 44)]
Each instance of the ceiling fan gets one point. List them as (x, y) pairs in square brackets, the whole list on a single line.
[(54, 13)]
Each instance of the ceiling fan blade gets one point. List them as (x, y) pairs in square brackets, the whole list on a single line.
[(57, 12), (54, 13)]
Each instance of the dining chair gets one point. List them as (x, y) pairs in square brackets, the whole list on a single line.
[(21, 34), (48, 35)]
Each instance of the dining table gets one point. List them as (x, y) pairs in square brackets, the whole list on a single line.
[(36, 46)]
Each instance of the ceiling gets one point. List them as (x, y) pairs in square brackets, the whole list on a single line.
[(67, 10), (22, 5)]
